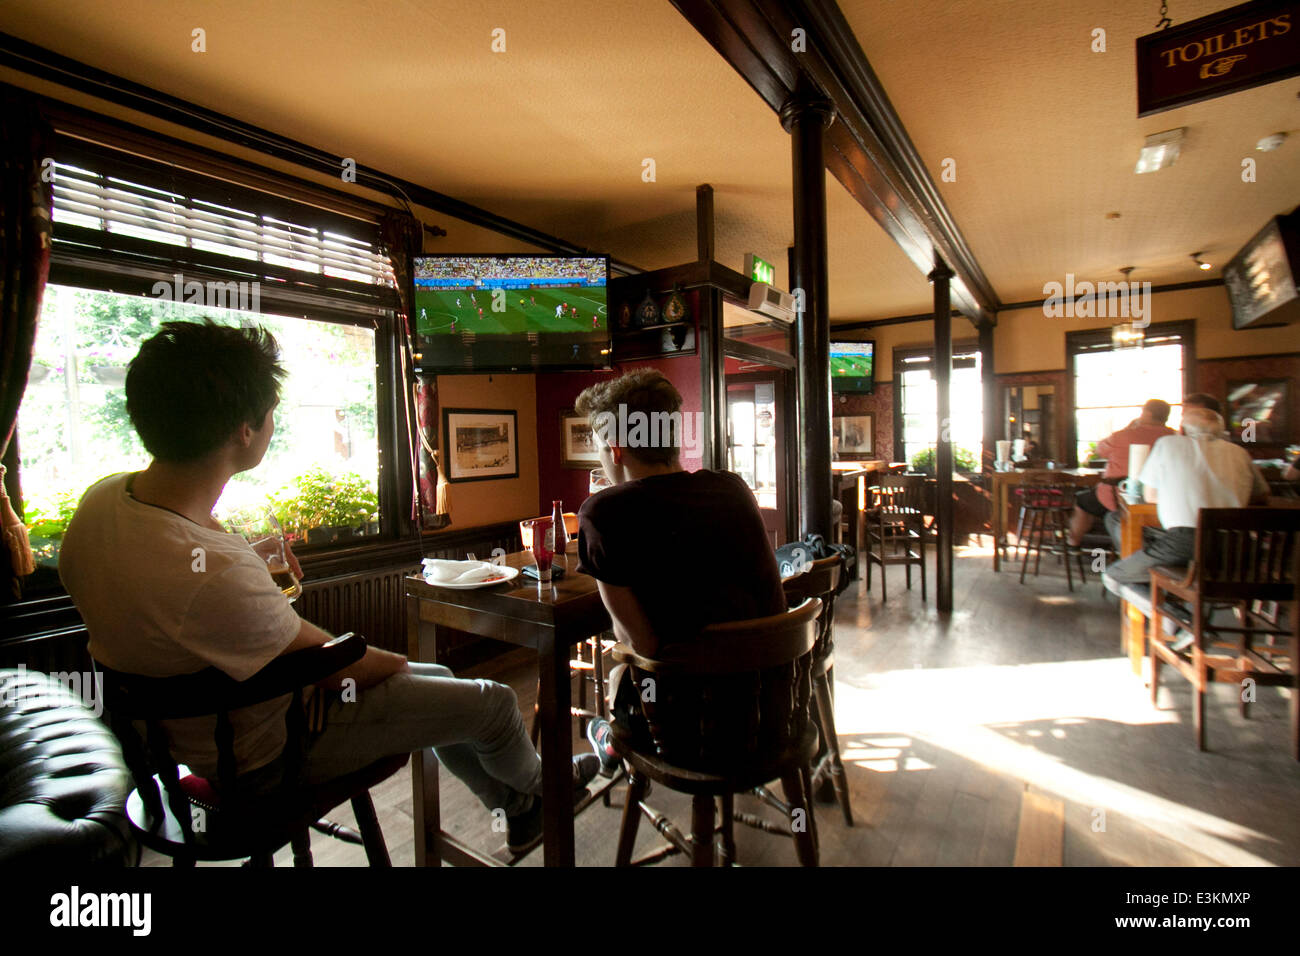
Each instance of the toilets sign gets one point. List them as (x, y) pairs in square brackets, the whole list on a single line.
[(1236, 49)]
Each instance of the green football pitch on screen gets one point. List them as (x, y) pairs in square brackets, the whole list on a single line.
[(526, 310), (850, 366)]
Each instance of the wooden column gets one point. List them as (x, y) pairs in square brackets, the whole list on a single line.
[(992, 408), (940, 276), (704, 222), (713, 384), (806, 118)]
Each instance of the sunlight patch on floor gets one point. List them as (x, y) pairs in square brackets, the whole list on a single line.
[(981, 714)]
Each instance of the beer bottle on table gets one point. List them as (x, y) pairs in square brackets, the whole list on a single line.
[(557, 522)]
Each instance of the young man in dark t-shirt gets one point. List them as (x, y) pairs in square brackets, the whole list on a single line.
[(671, 551)]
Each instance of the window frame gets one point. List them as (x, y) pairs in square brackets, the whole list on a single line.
[(1093, 340), (114, 262), (965, 353)]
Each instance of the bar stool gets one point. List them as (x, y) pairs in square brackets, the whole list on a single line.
[(1046, 502)]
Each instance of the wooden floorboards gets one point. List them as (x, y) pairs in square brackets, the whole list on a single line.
[(1010, 733)]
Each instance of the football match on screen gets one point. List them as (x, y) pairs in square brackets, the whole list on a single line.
[(509, 294), (851, 366)]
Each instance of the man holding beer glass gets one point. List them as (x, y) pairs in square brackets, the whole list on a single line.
[(165, 590)]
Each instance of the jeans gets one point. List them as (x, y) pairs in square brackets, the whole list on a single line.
[(1174, 547), (474, 727)]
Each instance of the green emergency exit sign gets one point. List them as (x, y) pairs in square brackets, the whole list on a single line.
[(758, 270)]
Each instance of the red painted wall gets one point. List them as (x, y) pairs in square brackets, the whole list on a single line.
[(557, 391)]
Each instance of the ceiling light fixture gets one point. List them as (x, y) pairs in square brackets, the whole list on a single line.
[(1161, 150), (1126, 335), (1203, 266)]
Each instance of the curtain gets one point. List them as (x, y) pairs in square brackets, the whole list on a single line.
[(403, 238), (26, 228)]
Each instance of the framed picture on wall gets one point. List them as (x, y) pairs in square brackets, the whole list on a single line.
[(854, 434), (577, 443), (1262, 405), (481, 443)]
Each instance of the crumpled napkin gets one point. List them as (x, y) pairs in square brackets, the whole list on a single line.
[(439, 571)]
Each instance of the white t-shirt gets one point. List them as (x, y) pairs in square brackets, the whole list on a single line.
[(1194, 473), (163, 596)]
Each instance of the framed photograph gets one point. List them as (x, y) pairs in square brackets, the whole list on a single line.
[(854, 434), (1266, 403), (577, 443), (481, 443)]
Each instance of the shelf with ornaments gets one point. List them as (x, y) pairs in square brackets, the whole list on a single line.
[(648, 331)]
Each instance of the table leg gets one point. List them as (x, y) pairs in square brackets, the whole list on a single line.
[(999, 521), (422, 646), (557, 751), (1135, 629)]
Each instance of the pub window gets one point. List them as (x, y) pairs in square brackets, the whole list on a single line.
[(919, 403), (1111, 384), (129, 235)]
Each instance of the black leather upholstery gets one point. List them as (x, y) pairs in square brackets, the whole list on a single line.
[(63, 782)]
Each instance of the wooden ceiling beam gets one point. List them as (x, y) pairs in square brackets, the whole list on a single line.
[(868, 149)]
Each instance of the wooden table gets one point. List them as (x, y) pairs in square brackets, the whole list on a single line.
[(550, 621), (1135, 516), (1004, 481)]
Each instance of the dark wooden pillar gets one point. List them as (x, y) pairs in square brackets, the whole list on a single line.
[(806, 118), (704, 222), (992, 408), (943, 453), (713, 383)]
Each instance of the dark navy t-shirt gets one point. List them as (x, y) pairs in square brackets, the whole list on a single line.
[(690, 545)]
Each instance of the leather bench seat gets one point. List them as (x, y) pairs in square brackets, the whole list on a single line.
[(63, 782)]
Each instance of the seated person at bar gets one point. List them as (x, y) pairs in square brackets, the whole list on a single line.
[(202, 397), (1183, 474), (1099, 501), (671, 551)]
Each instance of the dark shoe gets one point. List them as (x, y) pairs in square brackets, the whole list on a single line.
[(602, 741), (585, 768), (524, 830)]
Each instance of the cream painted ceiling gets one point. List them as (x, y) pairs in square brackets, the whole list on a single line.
[(1045, 136), (553, 132)]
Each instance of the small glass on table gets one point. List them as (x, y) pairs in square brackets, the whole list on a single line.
[(264, 535), (543, 547)]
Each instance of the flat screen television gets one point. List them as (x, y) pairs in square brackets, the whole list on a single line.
[(1261, 278), (853, 366), (510, 313)]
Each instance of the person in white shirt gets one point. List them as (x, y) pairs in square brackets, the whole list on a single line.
[(1183, 474), (165, 590)]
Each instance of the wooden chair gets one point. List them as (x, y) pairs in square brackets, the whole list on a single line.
[(198, 820), (1046, 502), (894, 525), (1243, 556), (821, 581), (727, 713)]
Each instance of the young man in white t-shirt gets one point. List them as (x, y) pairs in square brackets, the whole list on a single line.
[(165, 590), (1183, 474)]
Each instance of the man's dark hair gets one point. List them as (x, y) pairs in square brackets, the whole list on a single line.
[(1157, 411), (645, 393), (193, 384), (1203, 400)]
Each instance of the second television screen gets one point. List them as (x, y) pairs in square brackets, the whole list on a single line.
[(504, 313)]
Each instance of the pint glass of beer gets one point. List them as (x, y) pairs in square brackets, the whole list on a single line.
[(265, 536)]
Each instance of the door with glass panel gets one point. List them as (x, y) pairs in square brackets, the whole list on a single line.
[(756, 443)]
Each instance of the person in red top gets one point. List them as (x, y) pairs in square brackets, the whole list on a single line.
[(1100, 501)]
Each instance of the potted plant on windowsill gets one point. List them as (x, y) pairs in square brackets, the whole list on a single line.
[(320, 507), (963, 461)]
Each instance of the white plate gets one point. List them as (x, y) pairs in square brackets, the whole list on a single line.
[(509, 572)]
